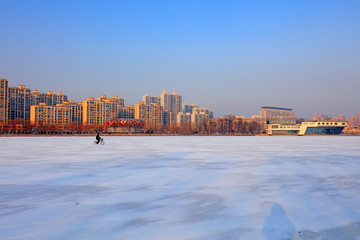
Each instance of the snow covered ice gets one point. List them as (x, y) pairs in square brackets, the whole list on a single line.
[(172, 188)]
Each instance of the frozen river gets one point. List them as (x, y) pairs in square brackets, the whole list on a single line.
[(170, 188)]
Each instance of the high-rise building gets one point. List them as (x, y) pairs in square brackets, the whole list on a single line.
[(171, 103), (19, 103), (67, 113), (193, 114), (50, 115), (198, 110), (49, 98), (97, 112), (152, 114), (199, 115), (167, 118), (147, 99), (4, 100), (76, 114)]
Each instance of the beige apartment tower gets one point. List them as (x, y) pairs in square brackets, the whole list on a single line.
[(49, 98), (147, 99), (67, 113), (43, 114), (97, 112), (171, 103), (152, 114)]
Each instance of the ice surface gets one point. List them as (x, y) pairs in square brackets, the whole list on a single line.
[(193, 188)]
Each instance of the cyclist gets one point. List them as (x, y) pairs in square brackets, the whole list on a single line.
[(98, 138)]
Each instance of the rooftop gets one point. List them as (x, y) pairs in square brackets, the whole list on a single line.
[(278, 108)]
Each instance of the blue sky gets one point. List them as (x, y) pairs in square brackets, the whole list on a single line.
[(229, 56)]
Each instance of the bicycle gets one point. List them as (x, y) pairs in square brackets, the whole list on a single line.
[(102, 142)]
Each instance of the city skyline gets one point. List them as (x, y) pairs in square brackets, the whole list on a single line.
[(231, 57), (158, 99)]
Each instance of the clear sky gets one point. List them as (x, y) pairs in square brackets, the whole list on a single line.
[(229, 56)]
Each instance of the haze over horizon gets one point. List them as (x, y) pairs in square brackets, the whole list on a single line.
[(228, 56)]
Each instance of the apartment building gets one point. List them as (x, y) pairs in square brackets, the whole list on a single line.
[(49, 98), (183, 118), (19, 103), (76, 114), (127, 112), (193, 114), (152, 114), (188, 108), (97, 112), (67, 113), (147, 99), (43, 114), (171, 103), (4, 100), (199, 115)]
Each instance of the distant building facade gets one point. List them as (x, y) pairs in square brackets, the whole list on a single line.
[(194, 115), (147, 99), (4, 100), (321, 117), (19, 103), (127, 112), (43, 114), (183, 118), (339, 118), (49, 98), (171, 103), (354, 121), (188, 108), (152, 114), (97, 112), (267, 112)]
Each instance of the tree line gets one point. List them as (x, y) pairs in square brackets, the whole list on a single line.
[(227, 125)]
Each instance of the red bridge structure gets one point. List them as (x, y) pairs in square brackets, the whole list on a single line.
[(124, 126)]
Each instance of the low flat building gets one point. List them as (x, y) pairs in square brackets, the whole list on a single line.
[(322, 128), (308, 128), (124, 126)]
